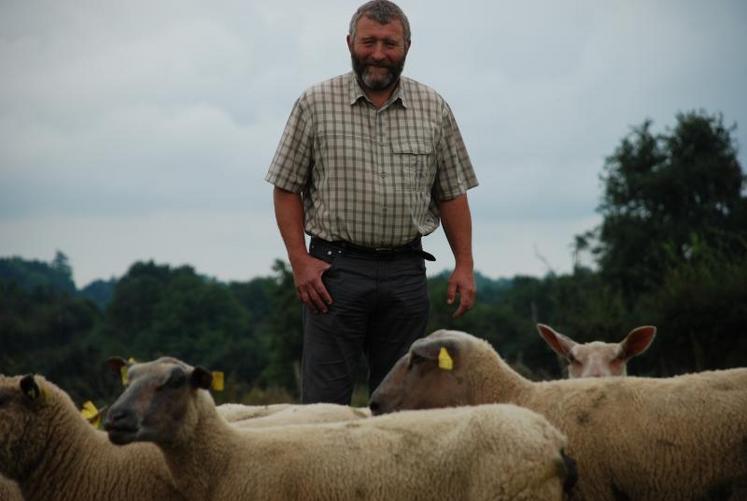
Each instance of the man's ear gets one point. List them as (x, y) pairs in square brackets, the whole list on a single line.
[(349, 41)]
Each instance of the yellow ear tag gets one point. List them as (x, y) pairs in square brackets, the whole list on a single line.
[(217, 384), (123, 375), (91, 414), (444, 360)]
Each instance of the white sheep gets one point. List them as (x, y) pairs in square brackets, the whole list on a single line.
[(300, 414), (597, 358), (683, 437), (240, 412), (259, 416), (490, 452), (55, 455)]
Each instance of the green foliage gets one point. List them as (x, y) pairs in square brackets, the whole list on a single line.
[(48, 332), (158, 310), (284, 339), (100, 292), (31, 275), (663, 193), (700, 312)]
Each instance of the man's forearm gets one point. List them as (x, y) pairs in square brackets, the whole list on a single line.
[(457, 223), (289, 214)]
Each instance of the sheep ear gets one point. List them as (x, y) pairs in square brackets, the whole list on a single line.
[(29, 387), (638, 341), (436, 350), (118, 365), (559, 343), (201, 378)]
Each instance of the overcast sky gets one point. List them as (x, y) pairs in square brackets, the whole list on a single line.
[(143, 129)]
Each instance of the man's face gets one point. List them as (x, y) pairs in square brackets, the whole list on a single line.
[(378, 53)]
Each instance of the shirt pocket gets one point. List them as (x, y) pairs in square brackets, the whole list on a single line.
[(411, 161)]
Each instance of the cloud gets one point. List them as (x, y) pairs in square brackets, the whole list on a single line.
[(138, 129)]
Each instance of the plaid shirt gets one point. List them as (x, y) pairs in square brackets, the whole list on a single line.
[(371, 177)]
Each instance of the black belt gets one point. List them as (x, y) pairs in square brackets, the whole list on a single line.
[(414, 247)]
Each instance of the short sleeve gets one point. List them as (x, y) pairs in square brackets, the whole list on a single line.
[(455, 174), (291, 165)]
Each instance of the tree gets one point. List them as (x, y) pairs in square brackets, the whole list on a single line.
[(284, 333), (158, 310), (664, 195), (31, 275)]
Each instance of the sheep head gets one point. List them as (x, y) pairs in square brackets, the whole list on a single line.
[(23, 426), (159, 403), (597, 358), (429, 375)]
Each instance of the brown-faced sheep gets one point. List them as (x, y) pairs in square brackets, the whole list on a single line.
[(490, 452), (55, 455), (679, 438)]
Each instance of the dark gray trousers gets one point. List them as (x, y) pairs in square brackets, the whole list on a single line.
[(380, 306)]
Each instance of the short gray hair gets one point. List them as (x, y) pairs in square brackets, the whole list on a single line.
[(381, 11)]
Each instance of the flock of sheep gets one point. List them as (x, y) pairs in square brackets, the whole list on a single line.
[(466, 426)]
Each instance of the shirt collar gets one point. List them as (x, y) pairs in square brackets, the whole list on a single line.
[(357, 93)]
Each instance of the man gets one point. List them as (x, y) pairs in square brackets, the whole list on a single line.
[(368, 163)]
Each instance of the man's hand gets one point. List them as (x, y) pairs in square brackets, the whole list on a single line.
[(461, 283), (307, 276)]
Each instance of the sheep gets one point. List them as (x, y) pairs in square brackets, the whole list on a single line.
[(597, 358), (488, 452), (683, 437), (54, 454), (241, 412), (258, 416), (304, 414)]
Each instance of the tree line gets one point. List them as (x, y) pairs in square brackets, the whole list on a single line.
[(671, 251)]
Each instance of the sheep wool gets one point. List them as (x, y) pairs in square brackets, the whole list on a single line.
[(678, 438), (284, 414), (55, 455), (492, 452)]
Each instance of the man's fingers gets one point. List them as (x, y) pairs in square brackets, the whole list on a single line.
[(304, 297), (465, 304), (461, 310), (451, 293), (316, 300), (324, 294)]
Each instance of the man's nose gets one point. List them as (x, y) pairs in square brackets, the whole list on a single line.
[(378, 51)]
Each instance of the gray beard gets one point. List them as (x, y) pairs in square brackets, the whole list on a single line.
[(364, 77)]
